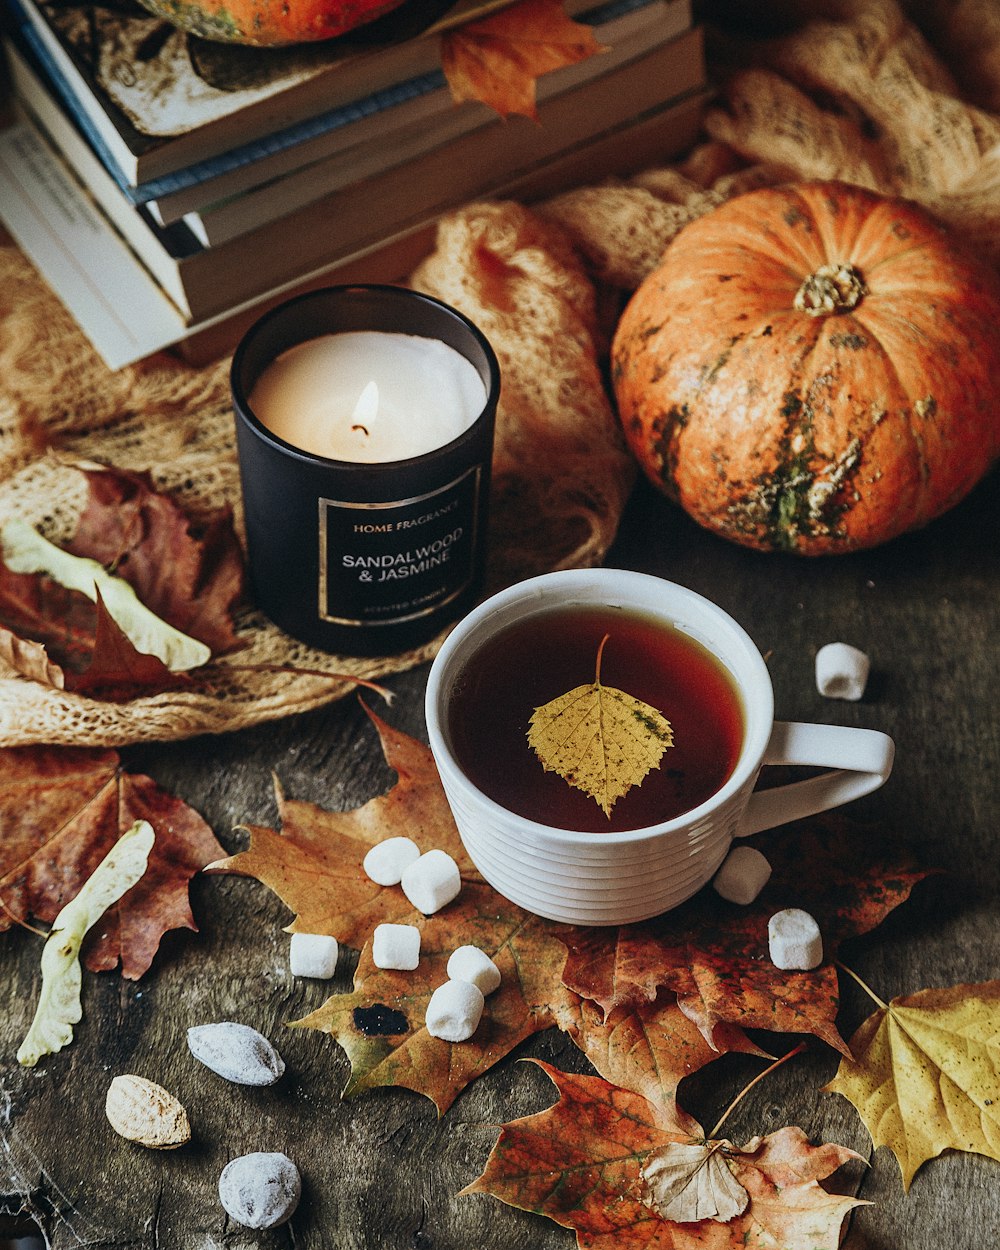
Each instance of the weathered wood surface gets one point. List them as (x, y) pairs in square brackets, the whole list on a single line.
[(382, 1172)]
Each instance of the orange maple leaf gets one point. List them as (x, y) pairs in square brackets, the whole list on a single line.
[(581, 1163), (62, 809), (498, 59), (714, 956)]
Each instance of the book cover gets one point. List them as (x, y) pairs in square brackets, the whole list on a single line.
[(163, 100)]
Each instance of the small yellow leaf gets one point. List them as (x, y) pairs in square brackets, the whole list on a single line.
[(599, 739), (690, 1181), (926, 1074)]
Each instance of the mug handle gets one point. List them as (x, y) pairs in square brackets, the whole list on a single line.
[(861, 760)]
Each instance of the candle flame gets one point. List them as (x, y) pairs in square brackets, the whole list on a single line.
[(366, 409)]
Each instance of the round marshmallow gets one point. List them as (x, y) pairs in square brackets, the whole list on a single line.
[(431, 881), (454, 1011), (386, 861), (469, 963)]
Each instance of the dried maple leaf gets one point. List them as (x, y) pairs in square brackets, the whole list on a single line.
[(61, 810), (925, 1074), (498, 59), (580, 1163), (314, 863), (714, 955), (381, 1024), (188, 574), (599, 739)]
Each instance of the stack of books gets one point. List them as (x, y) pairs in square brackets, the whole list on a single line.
[(170, 189)]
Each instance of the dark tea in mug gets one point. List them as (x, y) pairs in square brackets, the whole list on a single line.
[(550, 653)]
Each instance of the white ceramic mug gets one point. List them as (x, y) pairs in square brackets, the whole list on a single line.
[(619, 878)]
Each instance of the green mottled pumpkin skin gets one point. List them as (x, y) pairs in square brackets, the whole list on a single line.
[(784, 430)]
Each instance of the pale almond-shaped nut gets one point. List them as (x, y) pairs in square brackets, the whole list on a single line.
[(145, 1112), (236, 1052)]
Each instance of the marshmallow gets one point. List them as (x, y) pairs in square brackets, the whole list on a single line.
[(469, 963), (313, 955), (385, 862), (841, 671), (396, 946), (454, 1012), (431, 881), (743, 875), (794, 940)]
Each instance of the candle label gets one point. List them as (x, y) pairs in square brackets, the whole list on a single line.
[(396, 561)]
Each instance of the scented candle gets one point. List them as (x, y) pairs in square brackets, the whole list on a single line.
[(364, 419)]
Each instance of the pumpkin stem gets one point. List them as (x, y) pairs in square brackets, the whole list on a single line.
[(833, 288)]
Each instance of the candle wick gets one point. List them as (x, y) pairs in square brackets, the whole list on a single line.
[(366, 409), (362, 428)]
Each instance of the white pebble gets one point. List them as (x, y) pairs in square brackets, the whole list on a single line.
[(396, 946), (794, 940), (841, 671), (454, 1012), (236, 1052), (313, 955), (469, 963), (431, 881), (743, 875), (260, 1190), (386, 861)]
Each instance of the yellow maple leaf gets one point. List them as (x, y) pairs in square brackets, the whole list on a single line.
[(599, 739), (497, 60), (925, 1076)]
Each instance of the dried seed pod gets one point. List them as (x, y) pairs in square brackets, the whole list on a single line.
[(236, 1052), (146, 1113), (260, 1190)]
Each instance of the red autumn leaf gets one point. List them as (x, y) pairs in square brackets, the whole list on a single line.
[(189, 575), (714, 955), (581, 1163), (61, 810), (498, 59)]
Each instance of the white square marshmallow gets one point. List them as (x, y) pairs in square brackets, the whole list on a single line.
[(431, 882), (794, 940), (396, 946), (313, 955), (841, 671), (386, 861), (469, 963), (743, 875)]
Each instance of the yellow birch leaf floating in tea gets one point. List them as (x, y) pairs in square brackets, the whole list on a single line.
[(599, 739), (59, 1001), (925, 1076)]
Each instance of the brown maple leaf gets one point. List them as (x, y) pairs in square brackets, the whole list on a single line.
[(315, 866), (189, 574), (61, 810), (381, 1024), (498, 59), (581, 1164), (714, 955)]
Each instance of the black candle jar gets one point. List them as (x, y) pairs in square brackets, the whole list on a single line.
[(355, 557)]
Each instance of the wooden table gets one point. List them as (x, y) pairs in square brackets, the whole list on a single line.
[(382, 1172)]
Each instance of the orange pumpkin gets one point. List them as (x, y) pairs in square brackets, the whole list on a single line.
[(269, 23), (812, 368)]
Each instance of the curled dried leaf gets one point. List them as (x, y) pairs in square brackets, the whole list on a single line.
[(690, 1181)]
